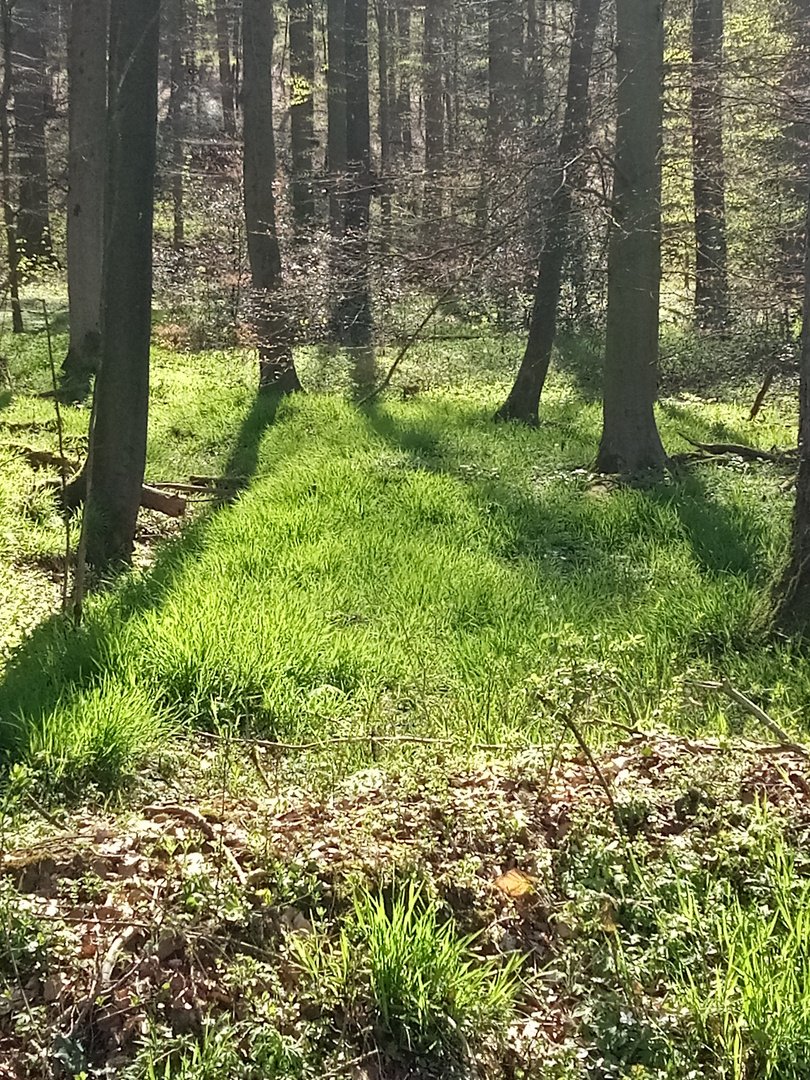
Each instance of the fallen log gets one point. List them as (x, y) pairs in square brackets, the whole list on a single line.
[(749, 453), (151, 498)]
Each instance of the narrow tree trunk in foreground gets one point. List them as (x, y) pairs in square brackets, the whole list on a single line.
[(711, 277), (302, 78), (276, 367), (524, 396), (87, 113), (118, 439), (9, 215), (630, 439)]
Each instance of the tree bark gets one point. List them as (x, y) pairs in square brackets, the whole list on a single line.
[(118, 437), (226, 79), (336, 114), (9, 214), (302, 114), (434, 114), (711, 276), (630, 439), (384, 70), (404, 118), (792, 609), (354, 308), (31, 99), (524, 397), (87, 112), (176, 118), (276, 367)]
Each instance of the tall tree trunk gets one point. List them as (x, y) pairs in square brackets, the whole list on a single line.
[(177, 103), (630, 439), (276, 367), (31, 99), (9, 214), (302, 106), (792, 611), (711, 277), (434, 113), (118, 438), (226, 79), (535, 69), (384, 68), (354, 309), (87, 112), (336, 113), (404, 118), (524, 396)]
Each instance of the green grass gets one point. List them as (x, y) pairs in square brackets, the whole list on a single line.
[(406, 568)]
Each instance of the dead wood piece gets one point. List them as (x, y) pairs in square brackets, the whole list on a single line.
[(749, 453), (171, 505), (219, 481), (785, 741), (185, 813), (40, 459), (187, 489), (766, 385)]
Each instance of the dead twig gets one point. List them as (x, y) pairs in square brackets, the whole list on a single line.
[(766, 385), (785, 741), (600, 776), (749, 453)]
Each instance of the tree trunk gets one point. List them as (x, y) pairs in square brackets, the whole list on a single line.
[(176, 118), (336, 110), (226, 80), (404, 119), (118, 438), (793, 592), (276, 367), (711, 277), (384, 68), (87, 112), (630, 439), (30, 109), (9, 215), (524, 396), (302, 78), (354, 309), (434, 114)]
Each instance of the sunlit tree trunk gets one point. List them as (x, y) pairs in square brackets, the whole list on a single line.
[(434, 113), (9, 213), (118, 438), (226, 80), (177, 101), (630, 439), (336, 113)]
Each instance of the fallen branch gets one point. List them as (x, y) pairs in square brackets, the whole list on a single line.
[(171, 505), (189, 489), (785, 741), (766, 385), (749, 453), (185, 813), (600, 776), (40, 459), (349, 740)]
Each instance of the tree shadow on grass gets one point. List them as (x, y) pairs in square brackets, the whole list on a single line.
[(56, 659)]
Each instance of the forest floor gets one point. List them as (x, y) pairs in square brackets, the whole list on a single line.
[(405, 754)]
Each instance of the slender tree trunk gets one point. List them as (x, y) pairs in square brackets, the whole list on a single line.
[(404, 109), (535, 96), (30, 109), (354, 309), (792, 610), (226, 80), (336, 109), (87, 112), (276, 367), (711, 277), (434, 113), (630, 439), (9, 214), (384, 118), (302, 78), (524, 396), (118, 438), (177, 120)]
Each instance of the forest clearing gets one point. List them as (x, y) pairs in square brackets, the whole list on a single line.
[(405, 532)]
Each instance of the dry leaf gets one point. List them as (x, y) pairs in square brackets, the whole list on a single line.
[(515, 883)]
